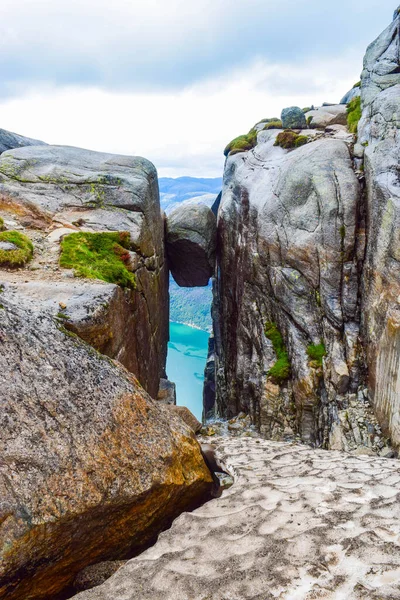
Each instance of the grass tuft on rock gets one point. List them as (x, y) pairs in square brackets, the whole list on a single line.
[(280, 371), (242, 143), (289, 139), (2, 224), (19, 256), (353, 114), (277, 124), (316, 353), (102, 256)]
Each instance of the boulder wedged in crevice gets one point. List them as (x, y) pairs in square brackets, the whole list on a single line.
[(191, 243)]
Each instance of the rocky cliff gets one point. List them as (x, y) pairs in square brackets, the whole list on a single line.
[(306, 291), (48, 192), (92, 468)]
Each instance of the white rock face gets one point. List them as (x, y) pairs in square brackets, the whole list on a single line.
[(297, 524)]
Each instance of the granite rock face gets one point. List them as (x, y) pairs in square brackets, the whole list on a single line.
[(292, 255), (293, 118), (91, 467), (297, 523), (9, 140), (290, 252), (191, 243), (50, 191), (379, 132)]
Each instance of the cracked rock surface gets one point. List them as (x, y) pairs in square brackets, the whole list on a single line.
[(91, 467), (297, 523)]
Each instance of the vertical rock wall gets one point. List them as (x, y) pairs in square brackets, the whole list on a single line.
[(379, 133)]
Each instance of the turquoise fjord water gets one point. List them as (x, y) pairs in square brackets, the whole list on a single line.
[(187, 355)]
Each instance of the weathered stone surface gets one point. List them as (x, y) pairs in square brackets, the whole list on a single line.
[(50, 191), (293, 118), (167, 392), (191, 242), (350, 95), (325, 116), (290, 252), (96, 574), (379, 131), (91, 467), (10, 140), (297, 523), (187, 416)]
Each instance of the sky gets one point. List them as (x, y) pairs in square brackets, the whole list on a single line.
[(174, 80)]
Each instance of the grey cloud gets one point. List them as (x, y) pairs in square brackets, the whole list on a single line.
[(140, 46)]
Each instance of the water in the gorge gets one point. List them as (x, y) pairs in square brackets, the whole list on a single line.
[(187, 355)]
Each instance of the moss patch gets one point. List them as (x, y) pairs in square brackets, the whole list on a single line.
[(280, 371), (273, 125), (353, 114), (316, 353), (102, 256), (21, 255), (356, 85), (2, 225), (288, 139), (242, 143)]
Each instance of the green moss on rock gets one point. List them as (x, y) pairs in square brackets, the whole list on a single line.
[(273, 125), (280, 371), (102, 256), (2, 225), (15, 257), (353, 114), (242, 143), (316, 353), (288, 139)]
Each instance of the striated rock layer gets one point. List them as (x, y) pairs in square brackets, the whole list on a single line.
[(91, 467), (49, 191), (297, 524)]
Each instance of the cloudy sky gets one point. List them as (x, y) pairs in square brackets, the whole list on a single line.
[(174, 80)]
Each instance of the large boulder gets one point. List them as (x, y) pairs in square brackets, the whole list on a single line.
[(191, 243), (50, 191), (325, 116), (293, 118), (9, 140), (91, 467), (379, 133)]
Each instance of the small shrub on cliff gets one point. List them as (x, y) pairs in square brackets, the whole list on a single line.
[(316, 353), (288, 139), (353, 114), (102, 256), (21, 254), (243, 143), (280, 371)]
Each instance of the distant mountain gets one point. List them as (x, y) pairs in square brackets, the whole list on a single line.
[(193, 190)]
